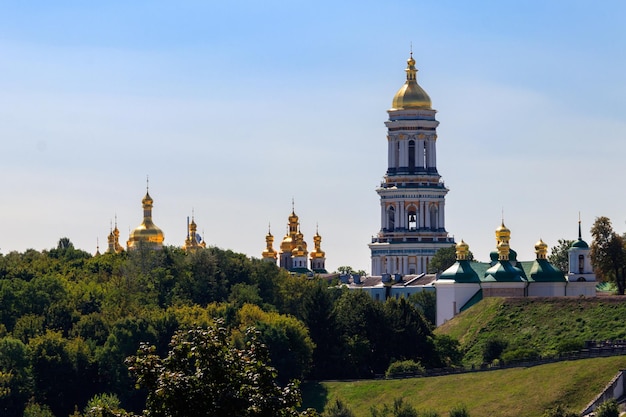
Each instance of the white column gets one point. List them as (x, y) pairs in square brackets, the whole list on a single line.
[(404, 154), (402, 210), (396, 215), (422, 220), (419, 158), (441, 215), (389, 152), (433, 153), (427, 225), (383, 214)]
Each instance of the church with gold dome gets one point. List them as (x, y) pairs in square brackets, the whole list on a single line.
[(465, 283), (293, 255), (149, 236), (412, 193)]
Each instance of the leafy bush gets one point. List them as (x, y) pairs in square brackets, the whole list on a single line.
[(493, 349), (608, 409), (404, 367), (570, 346), (559, 411), (337, 409), (459, 411), (520, 355), (399, 409)]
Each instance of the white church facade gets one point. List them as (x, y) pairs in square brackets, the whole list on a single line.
[(465, 283)]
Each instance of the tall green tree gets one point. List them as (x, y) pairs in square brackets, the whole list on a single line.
[(559, 255), (204, 373), (608, 254), (444, 258)]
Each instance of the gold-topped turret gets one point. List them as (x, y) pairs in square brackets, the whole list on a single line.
[(541, 249), (269, 253), (462, 251), (411, 95), (503, 235), (147, 233), (114, 240), (194, 240), (317, 252)]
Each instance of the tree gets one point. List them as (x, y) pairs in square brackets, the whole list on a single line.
[(559, 411), (444, 258), (608, 254), (559, 255), (204, 373)]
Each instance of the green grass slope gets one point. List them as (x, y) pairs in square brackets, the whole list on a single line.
[(541, 324), (519, 392)]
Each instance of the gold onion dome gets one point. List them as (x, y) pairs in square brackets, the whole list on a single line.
[(541, 249), (502, 232), (462, 250), (411, 95), (147, 232)]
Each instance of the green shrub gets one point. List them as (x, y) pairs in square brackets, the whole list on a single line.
[(559, 411), (570, 346), (492, 349), (459, 411), (337, 409), (520, 355), (404, 367), (608, 409)]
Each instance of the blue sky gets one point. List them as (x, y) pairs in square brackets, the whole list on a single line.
[(234, 108)]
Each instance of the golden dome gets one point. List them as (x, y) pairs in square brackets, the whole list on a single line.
[(462, 250), (541, 249), (502, 232), (147, 199), (411, 95), (147, 232), (287, 244)]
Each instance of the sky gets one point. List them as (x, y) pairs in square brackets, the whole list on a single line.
[(235, 109)]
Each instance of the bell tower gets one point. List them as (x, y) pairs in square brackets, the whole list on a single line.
[(412, 194)]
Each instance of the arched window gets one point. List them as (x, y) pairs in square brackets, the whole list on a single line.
[(412, 218), (391, 218), (581, 264), (411, 155), (433, 217)]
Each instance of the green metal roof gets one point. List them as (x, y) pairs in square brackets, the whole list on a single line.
[(504, 271), (544, 271), (461, 271), (580, 244)]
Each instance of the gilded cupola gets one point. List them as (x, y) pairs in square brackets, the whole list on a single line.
[(269, 253), (541, 249), (503, 235), (317, 252), (411, 95), (147, 233), (194, 240), (462, 251)]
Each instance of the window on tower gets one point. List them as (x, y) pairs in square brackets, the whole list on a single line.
[(412, 218), (433, 217), (581, 264), (411, 155), (391, 218)]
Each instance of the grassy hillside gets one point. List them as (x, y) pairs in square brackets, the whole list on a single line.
[(519, 392), (541, 324)]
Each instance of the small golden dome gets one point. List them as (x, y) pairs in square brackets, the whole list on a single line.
[(502, 231), (541, 249), (147, 199), (411, 95), (462, 250)]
